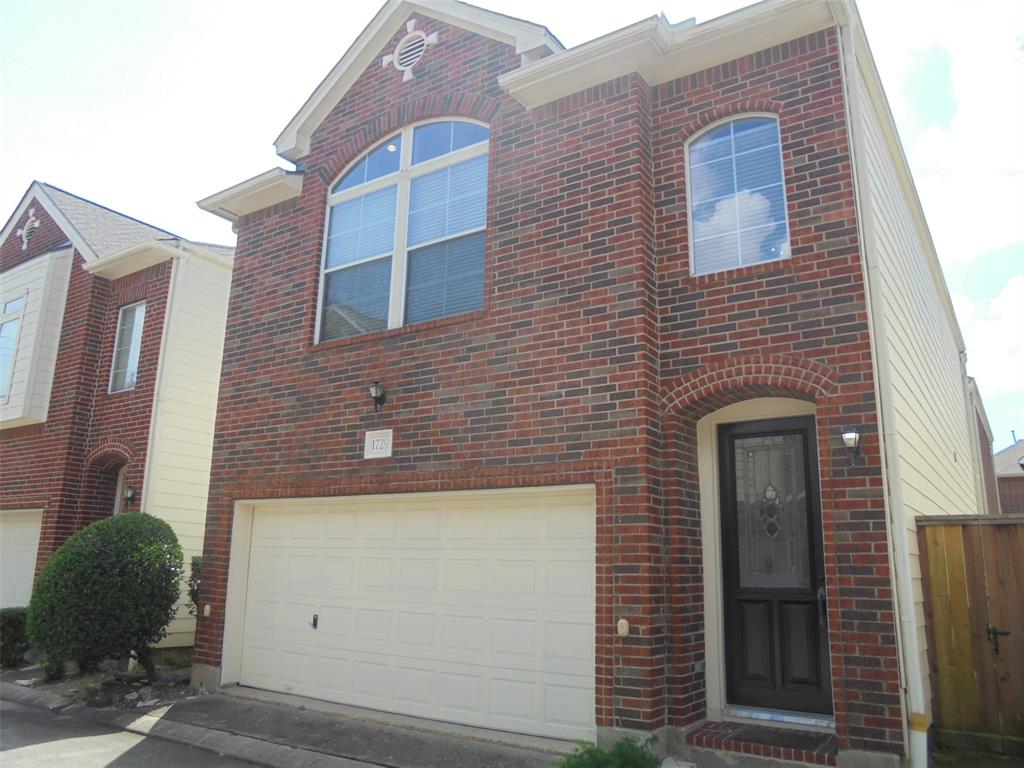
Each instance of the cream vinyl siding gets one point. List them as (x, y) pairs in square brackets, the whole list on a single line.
[(43, 281), (930, 424), (178, 473)]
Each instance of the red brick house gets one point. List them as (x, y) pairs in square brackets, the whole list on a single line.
[(110, 344), (555, 386), (1009, 469)]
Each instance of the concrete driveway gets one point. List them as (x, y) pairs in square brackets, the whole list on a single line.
[(35, 738)]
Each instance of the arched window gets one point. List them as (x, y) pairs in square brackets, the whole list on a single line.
[(405, 232), (737, 196)]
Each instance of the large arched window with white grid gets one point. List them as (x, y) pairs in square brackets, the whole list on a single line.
[(405, 231), (737, 195)]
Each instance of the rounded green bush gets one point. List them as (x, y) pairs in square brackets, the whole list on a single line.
[(109, 590)]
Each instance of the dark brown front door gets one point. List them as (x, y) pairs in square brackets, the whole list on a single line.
[(775, 621)]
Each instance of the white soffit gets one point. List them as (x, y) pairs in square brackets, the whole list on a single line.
[(293, 143), (255, 194), (660, 51)]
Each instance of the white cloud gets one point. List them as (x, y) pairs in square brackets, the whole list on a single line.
[(994, 331), (970, 175)]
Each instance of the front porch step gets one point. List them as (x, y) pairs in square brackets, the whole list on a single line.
[(762, 741)]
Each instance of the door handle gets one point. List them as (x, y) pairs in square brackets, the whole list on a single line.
[(315, 621), (993, 637), (822, 607)]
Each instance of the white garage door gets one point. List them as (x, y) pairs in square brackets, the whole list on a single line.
[(19, 543), (470, 607)]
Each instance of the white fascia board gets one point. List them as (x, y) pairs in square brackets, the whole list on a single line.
[(660, 51), (293, 143), (37, 192), (879, 102), (132, 259), (255, 194)]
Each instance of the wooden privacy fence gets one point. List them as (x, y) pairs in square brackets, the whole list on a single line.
[(973, 572)]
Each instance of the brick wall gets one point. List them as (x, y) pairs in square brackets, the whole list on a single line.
[(795, 328), (593, 356), (1011, 495), (64, 465)]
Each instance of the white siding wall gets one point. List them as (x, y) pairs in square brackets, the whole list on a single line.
[(185, 410), (44, 283), (930, 424)]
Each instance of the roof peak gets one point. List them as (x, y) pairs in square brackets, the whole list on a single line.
[(527, 37)]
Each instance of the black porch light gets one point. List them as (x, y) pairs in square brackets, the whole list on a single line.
[(851, 439), (378, 395)]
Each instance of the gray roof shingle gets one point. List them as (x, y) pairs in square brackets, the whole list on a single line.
[(1007, 461), (108, 232)]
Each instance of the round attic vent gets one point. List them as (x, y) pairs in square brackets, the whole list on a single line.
[(409, 50)]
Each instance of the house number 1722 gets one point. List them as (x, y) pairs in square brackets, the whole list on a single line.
[(378, 444)]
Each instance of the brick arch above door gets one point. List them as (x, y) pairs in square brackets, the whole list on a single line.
[(108, 454), (714, 386)]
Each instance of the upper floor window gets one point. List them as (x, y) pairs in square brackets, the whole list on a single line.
[(737, 196), (10, 326), (124, 371), (405, 233)]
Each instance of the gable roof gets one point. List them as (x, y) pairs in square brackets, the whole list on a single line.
[(111, 243), (106, 231), (1007, 462), (293, 143), (95, 230)]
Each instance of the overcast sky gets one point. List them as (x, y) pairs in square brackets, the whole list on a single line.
[(147, 106)]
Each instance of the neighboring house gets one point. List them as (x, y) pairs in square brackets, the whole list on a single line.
[(112, 333), (1009, 468), (623, 302)]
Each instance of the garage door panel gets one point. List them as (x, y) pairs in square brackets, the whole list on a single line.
[(340, 526), (373, 682), (335, 675), (376, 574), (339, 573), (564, 703), (415, 685), (515, 701), (472, 607), (19, 545), (416, 630), (460, 693)]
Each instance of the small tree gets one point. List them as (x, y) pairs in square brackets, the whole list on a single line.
[(109, 590)]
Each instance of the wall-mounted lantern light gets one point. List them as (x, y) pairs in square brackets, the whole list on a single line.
[(378, 395), (129, 494), (851, 439)]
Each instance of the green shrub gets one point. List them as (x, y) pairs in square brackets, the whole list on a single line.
[(195, 578), (108, 591), (13, 635), (626, 753)]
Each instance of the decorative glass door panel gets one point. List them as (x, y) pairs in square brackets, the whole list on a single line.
[(773, 571), (771, 501)]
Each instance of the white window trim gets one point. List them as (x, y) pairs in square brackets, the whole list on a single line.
[(689, 193), (117, 338), (18, 314), (403, 179)]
